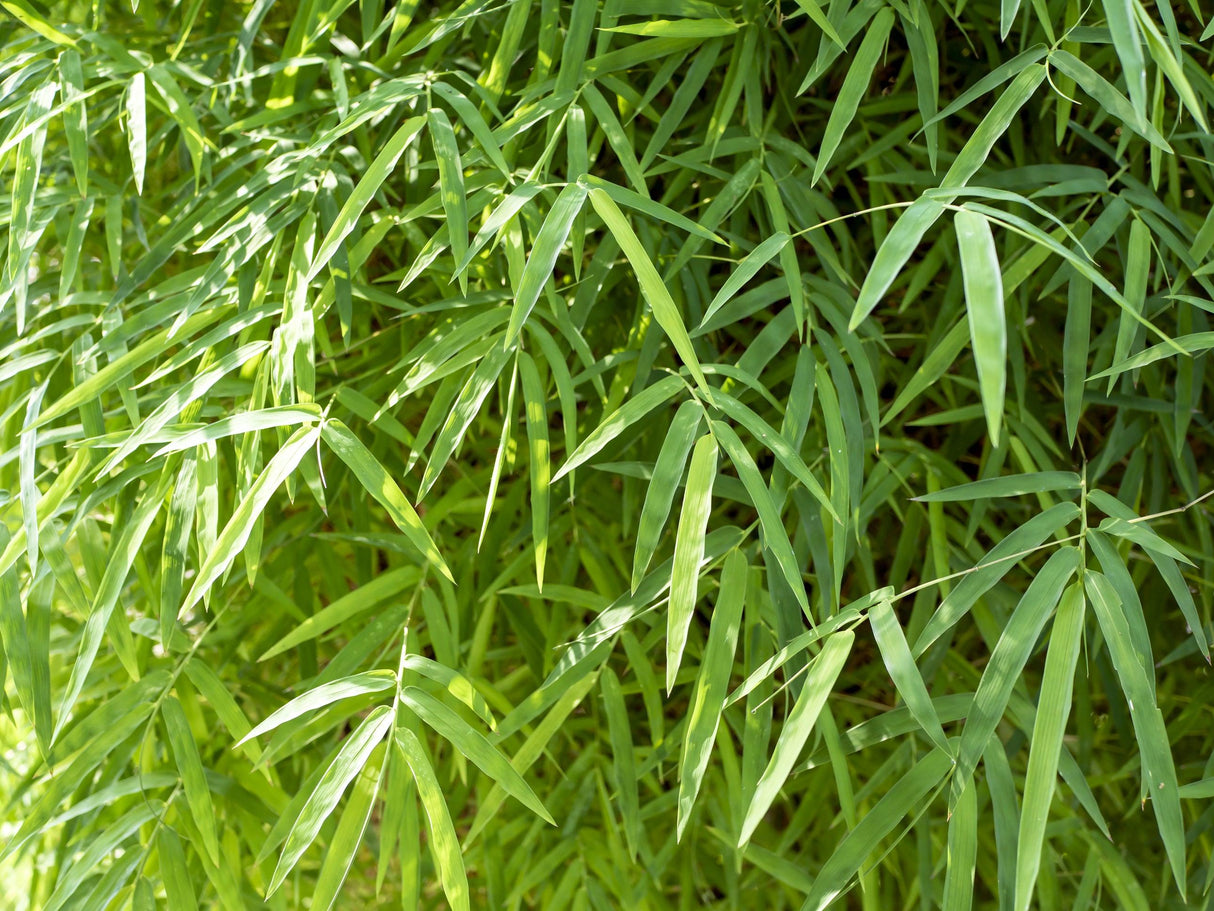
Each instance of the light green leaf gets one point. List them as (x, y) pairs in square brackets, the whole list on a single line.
[(665, 312), (984, 307), (1053, 708), (712, 684), (322, 800), (628, 414), (321, 696), (623, 760), (800, 723), (473, 744), (544, 252), (855, 85), (835, 875), (535, 404), (234, 535), (193, 777), (445, 843), (896, 654), (367, 187), (1008, 658), (376, 481), (1159, 770), (1006, 486), (689, 551), (659, 494)]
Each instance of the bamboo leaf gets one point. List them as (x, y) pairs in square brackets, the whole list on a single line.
[(689, 551), (346, 765), (818, 684)]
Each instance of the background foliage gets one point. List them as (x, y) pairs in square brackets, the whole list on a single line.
[(643, 453)]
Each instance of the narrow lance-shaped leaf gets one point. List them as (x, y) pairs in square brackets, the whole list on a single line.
[(349, 762), (712, 684), (904, 237), (28, 455), (377, 482), (859, 75), (535, 403), (775, 537), (659, 495), (232, 539), (797, 727), (370, 183), (622, 758), (548, 243), (629, 413), (442, 832), (984, 306), (1006, 486), (652, 287), (193, 777), (1009, 656), (689, 551), (75, 116), (321, 696), (962, 853), (835, 875), (451, 185), (902, 670), (1053, 708), (1149, 729), (750, 265), (347, 838), (474, 745), (137, 129)]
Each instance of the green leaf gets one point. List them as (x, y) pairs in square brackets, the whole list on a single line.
[(535, 404), (835, 875), (193, 777), (923, 213), (659, 495), (1159, 771), (997, 563), (136, 128), (902, 670), (321, 801), (775, 537), (372, 179), (750, 265), (665, 312), (962, 853), (377, 482), (473, 744), (451, 181), (984, 307), (859, 75), (639, 405), (1007, 486), (800, 723), (321, 696), (689, 551), (544, 252), (442, 831), (712, 684), (646, 206), (234, 535), (1053, 707), (623, 759), (340, 855), (178, 885), (1009, 656)]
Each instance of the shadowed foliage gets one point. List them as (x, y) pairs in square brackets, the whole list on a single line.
[(612, 454)]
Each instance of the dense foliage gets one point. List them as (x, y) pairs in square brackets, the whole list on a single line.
[(627, 454)]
